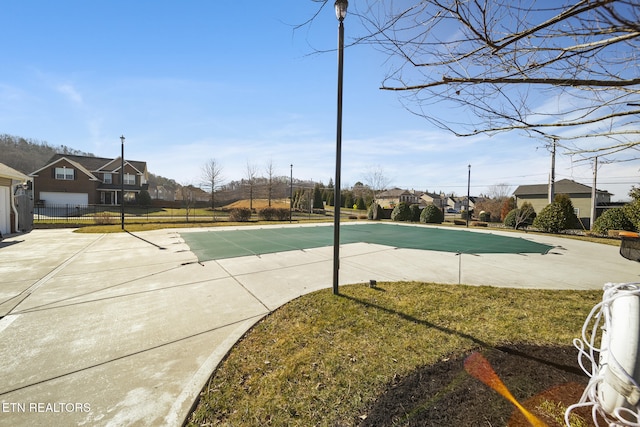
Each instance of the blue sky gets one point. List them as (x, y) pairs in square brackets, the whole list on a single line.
[(189, 81)]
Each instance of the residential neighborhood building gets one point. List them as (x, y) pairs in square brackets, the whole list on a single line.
[(460, 203), (191, 194), (16, 214), (580, 195), (160, 192), (84, 180), (389, 199), (439, 200)]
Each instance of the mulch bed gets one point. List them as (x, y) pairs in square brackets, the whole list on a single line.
[(444, 394)]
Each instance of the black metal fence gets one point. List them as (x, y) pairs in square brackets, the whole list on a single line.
[(96, 214)]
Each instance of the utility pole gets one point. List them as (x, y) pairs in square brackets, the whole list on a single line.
[(594, 193), (468, 194)]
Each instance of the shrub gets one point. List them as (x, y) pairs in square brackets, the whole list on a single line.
[(374, 211), (519, 217), (401, 212), (507, 206), (103, 218), (143, 198), (415, 213), (267, 214), (431, 215), (632, 211), (283, 214), (484, 216), (613, 219), (557, 216), (240, 215)]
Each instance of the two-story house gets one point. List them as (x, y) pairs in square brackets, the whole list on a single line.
[(388, 199), (580, 194), (84, 180)]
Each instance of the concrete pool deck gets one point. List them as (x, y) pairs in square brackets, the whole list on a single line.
[(122, 329)]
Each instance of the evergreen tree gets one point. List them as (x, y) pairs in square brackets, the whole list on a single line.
[(317, 198)]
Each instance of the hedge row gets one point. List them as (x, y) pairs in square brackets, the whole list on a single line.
[(266, 214)]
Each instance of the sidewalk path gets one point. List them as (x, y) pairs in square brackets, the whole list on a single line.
[(124, 329)]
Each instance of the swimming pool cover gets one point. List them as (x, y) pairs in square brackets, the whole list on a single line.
[(230, 243)]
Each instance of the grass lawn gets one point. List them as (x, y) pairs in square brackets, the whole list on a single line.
[(323, 359)]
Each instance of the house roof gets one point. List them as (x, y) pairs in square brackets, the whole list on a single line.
[(564, 186), (9, 172), (94, 164), (394, 192)]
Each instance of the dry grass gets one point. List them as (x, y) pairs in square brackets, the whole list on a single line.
[(321, 358), (259, 204)]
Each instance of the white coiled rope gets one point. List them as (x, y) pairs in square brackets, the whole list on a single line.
[(610, 376)]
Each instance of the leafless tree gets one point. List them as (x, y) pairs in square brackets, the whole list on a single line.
[(376, 179), (212, 180), (251, 174), (494, 201), (565, 70), (188, 196), (500, 191), (270, 169)]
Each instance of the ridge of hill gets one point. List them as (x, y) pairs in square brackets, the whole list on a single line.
[(28, 155)]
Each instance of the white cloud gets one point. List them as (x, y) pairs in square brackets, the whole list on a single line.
[(71, 93)]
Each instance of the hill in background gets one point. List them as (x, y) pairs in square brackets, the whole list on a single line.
[(28, 155)]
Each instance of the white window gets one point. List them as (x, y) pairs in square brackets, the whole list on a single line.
[(107, 178), (129, 179), (65, 173)]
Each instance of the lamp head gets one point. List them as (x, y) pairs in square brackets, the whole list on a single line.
[(341, 9)]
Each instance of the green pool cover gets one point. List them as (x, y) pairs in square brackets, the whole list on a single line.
[(221, 244)]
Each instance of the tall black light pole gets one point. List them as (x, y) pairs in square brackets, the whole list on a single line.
[(341, 13), (291, 193), (122, 181), (468, 194)]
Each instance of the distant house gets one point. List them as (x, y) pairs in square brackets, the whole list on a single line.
[(189, 193), (12, 183), (83, 180), (438, 200), (389, 199), (160, 192), (580, 194), (460, 203)]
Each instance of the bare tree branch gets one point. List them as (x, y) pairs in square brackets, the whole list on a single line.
[(502, 62)]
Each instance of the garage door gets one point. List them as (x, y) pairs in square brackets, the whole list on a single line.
[(53, 198)]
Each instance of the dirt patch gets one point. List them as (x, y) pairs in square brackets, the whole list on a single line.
[(259, 204), (544, 379)]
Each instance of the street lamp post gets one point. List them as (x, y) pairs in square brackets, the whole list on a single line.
[(291, 193), (468, 194), (122, 181), (341, 13)]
